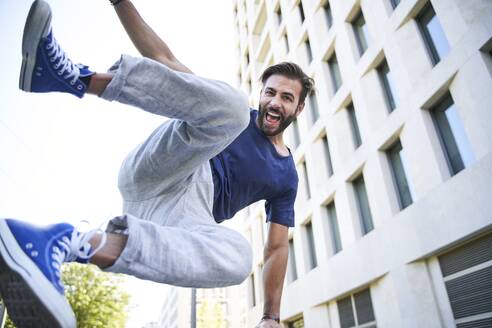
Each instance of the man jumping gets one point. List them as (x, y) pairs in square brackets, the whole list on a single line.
[(213, 157)]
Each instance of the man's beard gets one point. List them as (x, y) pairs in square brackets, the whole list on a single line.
[(284, 121)]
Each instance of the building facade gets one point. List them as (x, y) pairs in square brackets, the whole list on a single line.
[(394, 156)]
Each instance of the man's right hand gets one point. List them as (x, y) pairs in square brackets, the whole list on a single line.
[(268, 323)]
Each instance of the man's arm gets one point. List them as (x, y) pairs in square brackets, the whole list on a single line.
[(147, 42), (276, 254)]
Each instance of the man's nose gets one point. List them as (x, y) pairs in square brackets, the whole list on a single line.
[(275, 103)]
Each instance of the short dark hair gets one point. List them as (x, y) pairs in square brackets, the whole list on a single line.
[(292, 71)]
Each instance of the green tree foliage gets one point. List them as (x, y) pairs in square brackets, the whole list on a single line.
[(96, 297)]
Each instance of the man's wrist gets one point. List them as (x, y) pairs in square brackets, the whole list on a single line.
[(269, 316), (116, 2)]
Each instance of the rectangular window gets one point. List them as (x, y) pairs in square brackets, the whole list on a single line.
[(395, 3), (363, 307), (346, 312), (454, 141), (354, 126), (395, 153), (388, 85), (296, 136), (361, 33), (286, 43), (307, 188), (336, 242), (309, 52), (278, 14), (292, 267), (298, 323), (363, 205), (336, 76), (260, 275), (313, 109), (252, 293), (467, 275), (301, 12), (326, 149), (312, 262), (435, 39), (328, 14), (356, 310)]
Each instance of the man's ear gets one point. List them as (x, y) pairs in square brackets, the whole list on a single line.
[(300, 108)]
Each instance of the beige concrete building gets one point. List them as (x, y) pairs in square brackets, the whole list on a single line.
[(218, 308), (394, 155), (175, 312)]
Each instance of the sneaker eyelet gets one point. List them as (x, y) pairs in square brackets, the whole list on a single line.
[(52, 59), (72, 83), (79, 87), (60, 72)]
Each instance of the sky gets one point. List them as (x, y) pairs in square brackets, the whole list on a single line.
[(59, 155)]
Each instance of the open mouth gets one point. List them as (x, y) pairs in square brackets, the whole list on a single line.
[(272, 118)]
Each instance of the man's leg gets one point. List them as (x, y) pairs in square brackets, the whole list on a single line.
[(208, 114), (173, 238)]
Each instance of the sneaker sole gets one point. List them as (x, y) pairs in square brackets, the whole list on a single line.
[(30, 298), (37, 26)]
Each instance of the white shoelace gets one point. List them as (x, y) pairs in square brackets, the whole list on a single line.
[(64, 65), (77, 246)]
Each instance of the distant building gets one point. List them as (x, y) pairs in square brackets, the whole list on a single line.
[(394, 155), (151, 325), (175, 311)]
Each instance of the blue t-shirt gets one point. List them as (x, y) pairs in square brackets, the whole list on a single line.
[(250, 169)]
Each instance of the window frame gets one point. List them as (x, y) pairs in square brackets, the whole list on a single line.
[(328, 14), (309, 51), (327, 157), (383, 71), (335, 73), (442, 130), (334, 228), (311, 246), (365, 217), (423, 18), (361, 38), (395, 3), (292, 274), (301, 12), (354, 126), (394, 153)]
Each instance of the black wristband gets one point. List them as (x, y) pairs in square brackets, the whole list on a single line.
[(271, 317), (115, 2)]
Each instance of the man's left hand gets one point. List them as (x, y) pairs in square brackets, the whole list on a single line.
[(268, 323)]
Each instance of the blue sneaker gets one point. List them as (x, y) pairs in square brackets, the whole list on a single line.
[(30, 263), (45, 66)]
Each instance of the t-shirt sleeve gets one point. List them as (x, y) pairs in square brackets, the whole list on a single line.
[(281, 209)]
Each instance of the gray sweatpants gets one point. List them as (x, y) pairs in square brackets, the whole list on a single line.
[(166, 182)]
